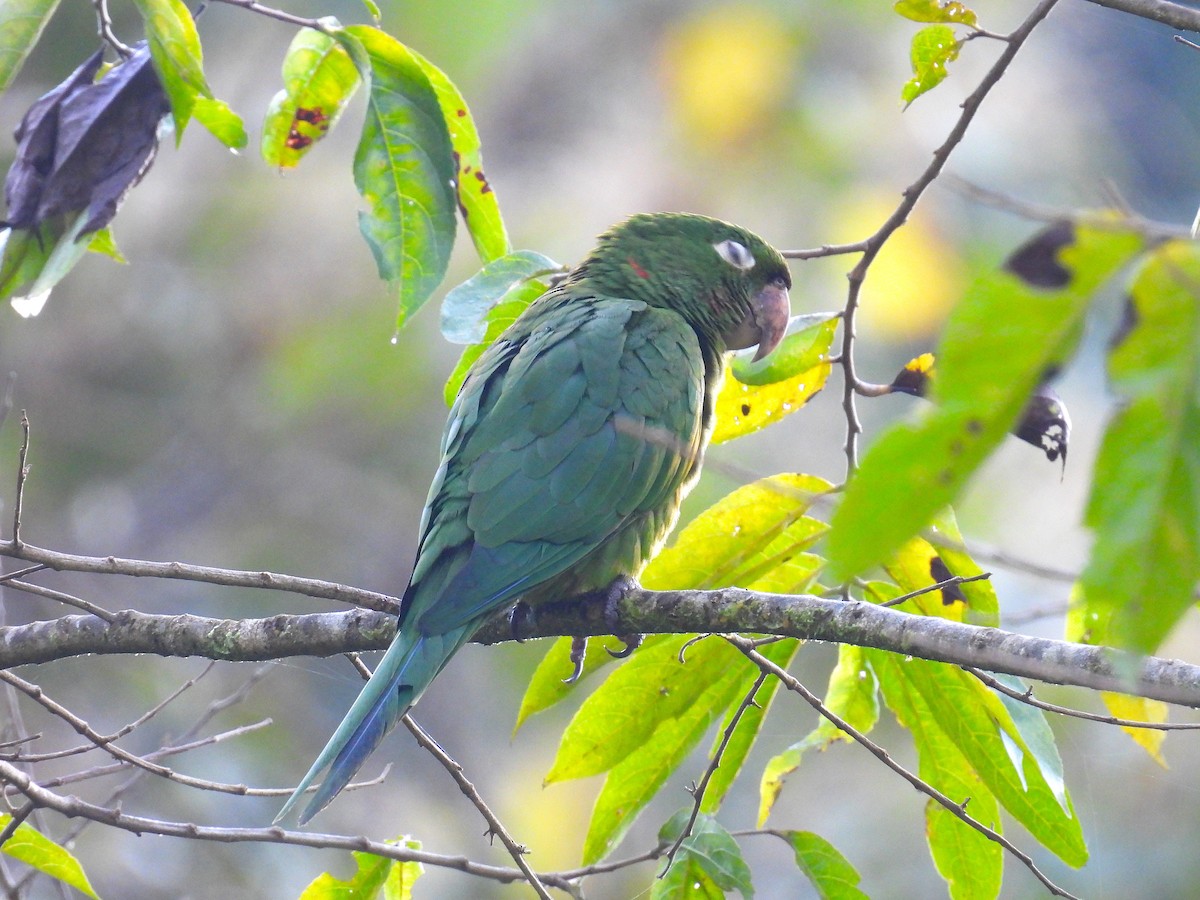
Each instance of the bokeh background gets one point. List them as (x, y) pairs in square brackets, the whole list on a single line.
[(231, 397)]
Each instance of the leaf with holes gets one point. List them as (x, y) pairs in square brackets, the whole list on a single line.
[(746, 406)]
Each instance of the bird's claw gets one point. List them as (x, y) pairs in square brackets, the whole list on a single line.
[(578, 654), (621, 585), (520, 621), (631, 642)]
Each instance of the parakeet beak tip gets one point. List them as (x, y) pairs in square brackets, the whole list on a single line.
[(772, 308)]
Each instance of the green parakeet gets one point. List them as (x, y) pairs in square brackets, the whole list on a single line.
[(570, 447)]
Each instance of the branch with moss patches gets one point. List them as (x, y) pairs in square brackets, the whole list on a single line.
[(650, 612)]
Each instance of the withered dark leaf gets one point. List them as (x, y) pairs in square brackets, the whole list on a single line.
[(103, 138), (1045, 424), (915, 377), (36, 136), (1036, 261)]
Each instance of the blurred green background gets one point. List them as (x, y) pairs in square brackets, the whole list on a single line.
[(231, 397)]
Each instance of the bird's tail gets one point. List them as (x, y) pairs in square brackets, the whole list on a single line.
[(410, 663)]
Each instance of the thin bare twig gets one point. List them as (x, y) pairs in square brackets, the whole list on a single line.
[(713, 764), (70, 600), (140, 568), (495, 826), (21, 573), (22, 474), (956, 809), (104, 28), (949, 582), (35, 693), (913, 193), (1026, 696), (73, 807), (120, 732), (278, 14)]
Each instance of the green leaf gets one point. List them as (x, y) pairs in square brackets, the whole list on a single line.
[(632, 783), (466, 307), (932, 48), (742, 537), (23, 254), (105, 244), (948, 11), (46, 260), (853, 695), (547, 687), (403, 168), (221, 121), (1145, 501), (21, 24), (498, 317), (745, 733), (998, 343), (744, 407), (39, 852), (650, 688), (178, 58), (476, 200), (375, 878), (830, 872), (708, 856), (971, 864), (1013, 756), (319, 78), (805, 344)]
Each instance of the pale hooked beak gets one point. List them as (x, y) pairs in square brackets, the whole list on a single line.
[(766, 324)]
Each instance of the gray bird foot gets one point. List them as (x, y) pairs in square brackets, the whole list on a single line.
[(620, 586), (578, 654), (520, 621)]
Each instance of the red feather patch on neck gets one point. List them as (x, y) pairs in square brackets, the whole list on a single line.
[(637, 270)]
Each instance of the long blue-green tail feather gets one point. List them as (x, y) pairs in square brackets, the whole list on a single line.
[(410, 664)]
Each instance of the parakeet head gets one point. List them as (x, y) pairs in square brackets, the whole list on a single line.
[(730, 284)]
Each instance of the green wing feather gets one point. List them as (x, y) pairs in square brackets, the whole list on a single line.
[(584, 423)]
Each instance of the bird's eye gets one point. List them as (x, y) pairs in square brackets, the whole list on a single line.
[(735, 254)]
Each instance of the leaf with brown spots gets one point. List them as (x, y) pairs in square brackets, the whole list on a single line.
[(996, 349), (319, 78), (477, 202)]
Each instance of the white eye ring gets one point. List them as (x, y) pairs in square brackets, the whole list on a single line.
[(735, 254)]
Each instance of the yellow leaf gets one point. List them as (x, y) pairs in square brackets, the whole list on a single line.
[(1140, 709)]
